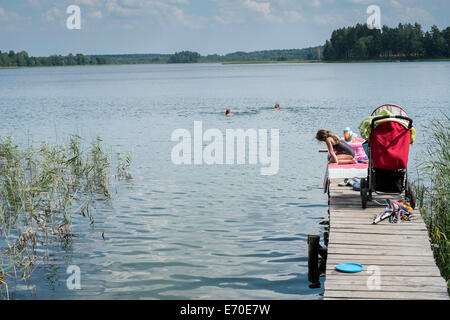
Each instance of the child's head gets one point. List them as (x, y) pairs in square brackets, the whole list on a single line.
[(323, 134)]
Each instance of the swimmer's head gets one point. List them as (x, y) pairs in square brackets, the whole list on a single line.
[(228, 112), (277, 107)]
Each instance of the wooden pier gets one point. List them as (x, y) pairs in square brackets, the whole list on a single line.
[(397, 257)]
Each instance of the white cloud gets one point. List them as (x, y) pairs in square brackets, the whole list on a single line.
[(418, 15), (161, 12), (263, 8), (294, 16), (218, 19), (89, 3), (7, 15), (52, 14), (95, 14)]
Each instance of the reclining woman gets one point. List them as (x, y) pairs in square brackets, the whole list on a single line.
[(339, 151)]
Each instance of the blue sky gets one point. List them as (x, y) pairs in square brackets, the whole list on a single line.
[(206, 26)]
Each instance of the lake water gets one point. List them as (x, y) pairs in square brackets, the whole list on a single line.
[(204, 232)]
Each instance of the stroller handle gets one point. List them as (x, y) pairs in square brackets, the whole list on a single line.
[(372, 124)]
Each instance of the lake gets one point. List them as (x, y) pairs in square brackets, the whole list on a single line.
[(204, 231)]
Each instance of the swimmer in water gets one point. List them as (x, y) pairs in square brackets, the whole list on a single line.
[(277, 107), (339, 151), (228, 113)]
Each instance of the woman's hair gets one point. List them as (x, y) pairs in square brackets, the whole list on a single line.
[(323, 135)]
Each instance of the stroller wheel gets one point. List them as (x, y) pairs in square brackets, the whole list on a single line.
[(410, 195)]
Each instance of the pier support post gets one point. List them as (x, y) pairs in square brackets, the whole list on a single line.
[(313, 261), (314, 251)]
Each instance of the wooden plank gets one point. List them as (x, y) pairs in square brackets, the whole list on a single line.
[(367, 223), (342, 294), (334, 255), (347, 210), (382, 244), (386, 280), (360, 246), (417, 242), (381, 231), (383, 288), (359, 210), (400, 271), (378, 251), (379, 262), (384, 284), (365, 214), (381, 226), (350, 222), (389, 239)]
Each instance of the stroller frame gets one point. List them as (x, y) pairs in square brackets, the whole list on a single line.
[(369, 185)]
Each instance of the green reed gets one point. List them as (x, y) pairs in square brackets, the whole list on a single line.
[(41, 188), (433, 190)]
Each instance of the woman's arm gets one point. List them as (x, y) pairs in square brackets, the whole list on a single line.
[(331, 150)]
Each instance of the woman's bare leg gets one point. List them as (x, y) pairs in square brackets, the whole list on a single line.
[(346, 158)]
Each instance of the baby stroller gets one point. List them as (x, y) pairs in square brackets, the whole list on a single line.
[(387, 149)]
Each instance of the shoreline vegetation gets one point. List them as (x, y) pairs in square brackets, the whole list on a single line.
[(42, 188), (404, 60), (405, 43), (13, 59), (433, 192), (254, 63)]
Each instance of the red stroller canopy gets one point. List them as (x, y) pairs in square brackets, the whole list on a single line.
[(389, 144)]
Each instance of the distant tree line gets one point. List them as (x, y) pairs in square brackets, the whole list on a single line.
[(312, 53), (405, 41), (138, 58), (21, 59), (184, 57)]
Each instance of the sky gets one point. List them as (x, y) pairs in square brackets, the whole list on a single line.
[(206, 26)]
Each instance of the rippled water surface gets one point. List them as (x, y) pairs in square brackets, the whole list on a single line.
[(204, 232)]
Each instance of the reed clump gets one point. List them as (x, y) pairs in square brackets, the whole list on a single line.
[(433, 192), (41, 189)]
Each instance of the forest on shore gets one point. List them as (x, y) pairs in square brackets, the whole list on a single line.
[(22, 59), (406, 41)]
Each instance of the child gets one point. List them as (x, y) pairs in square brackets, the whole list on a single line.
[(340, 151)]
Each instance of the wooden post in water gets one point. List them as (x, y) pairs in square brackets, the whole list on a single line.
[(326, 237), (313, 261)]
